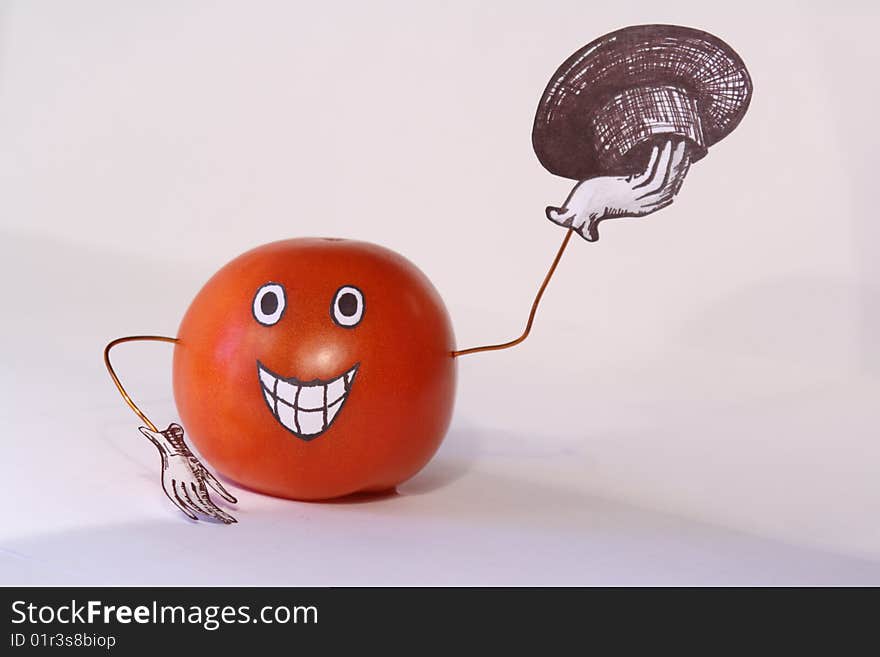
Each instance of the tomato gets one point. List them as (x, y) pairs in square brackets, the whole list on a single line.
[(315, 368)]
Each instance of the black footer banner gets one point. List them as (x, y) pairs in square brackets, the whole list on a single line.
[(126, 620)]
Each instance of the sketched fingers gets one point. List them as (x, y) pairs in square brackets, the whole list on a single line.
[(660, 175), (214, 483), (667, 179), (679, 175), (179, 502), (193, 500), (209, 507), (650, 170)]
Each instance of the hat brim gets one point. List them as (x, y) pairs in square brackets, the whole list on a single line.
[(700, 65)]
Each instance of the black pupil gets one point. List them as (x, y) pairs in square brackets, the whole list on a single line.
[(269, 303), (348, 304)]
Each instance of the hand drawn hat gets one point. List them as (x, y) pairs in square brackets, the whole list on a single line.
[(616, 96)]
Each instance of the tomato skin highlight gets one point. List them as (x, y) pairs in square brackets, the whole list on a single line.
[(398, 405)]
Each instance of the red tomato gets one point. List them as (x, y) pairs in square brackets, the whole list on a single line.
[(314, 368)]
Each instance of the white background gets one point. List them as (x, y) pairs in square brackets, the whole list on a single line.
[(698, 402)]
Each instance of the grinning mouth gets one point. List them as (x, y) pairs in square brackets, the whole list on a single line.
[(306, 409)]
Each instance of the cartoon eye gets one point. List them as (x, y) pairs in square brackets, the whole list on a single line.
[(269, 304), (347, 308)]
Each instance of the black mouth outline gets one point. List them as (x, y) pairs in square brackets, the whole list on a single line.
[(347, 377)]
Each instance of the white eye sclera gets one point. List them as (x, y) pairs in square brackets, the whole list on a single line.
[(270, 302), (347, 308)]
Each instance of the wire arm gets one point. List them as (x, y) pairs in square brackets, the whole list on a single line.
[(525, 333), (125, 395)]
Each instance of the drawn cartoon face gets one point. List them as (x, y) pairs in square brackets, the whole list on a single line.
[(314, 368), (306, 408)]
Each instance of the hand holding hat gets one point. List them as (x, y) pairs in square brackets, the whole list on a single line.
[(674, 91), (607, 197)]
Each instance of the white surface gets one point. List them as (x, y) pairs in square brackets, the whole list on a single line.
[(697, 403)]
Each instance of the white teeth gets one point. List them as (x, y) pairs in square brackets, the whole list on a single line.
[(287, 417), (311, 397), (332, 411), (335, 391), (267, 379), (310, 421), (305, 410), (287, 391)]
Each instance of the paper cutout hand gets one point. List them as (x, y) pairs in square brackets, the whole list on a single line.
[(608, 197), (184, 479)]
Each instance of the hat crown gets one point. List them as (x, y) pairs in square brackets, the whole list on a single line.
[(632, 86), (638, 116)]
